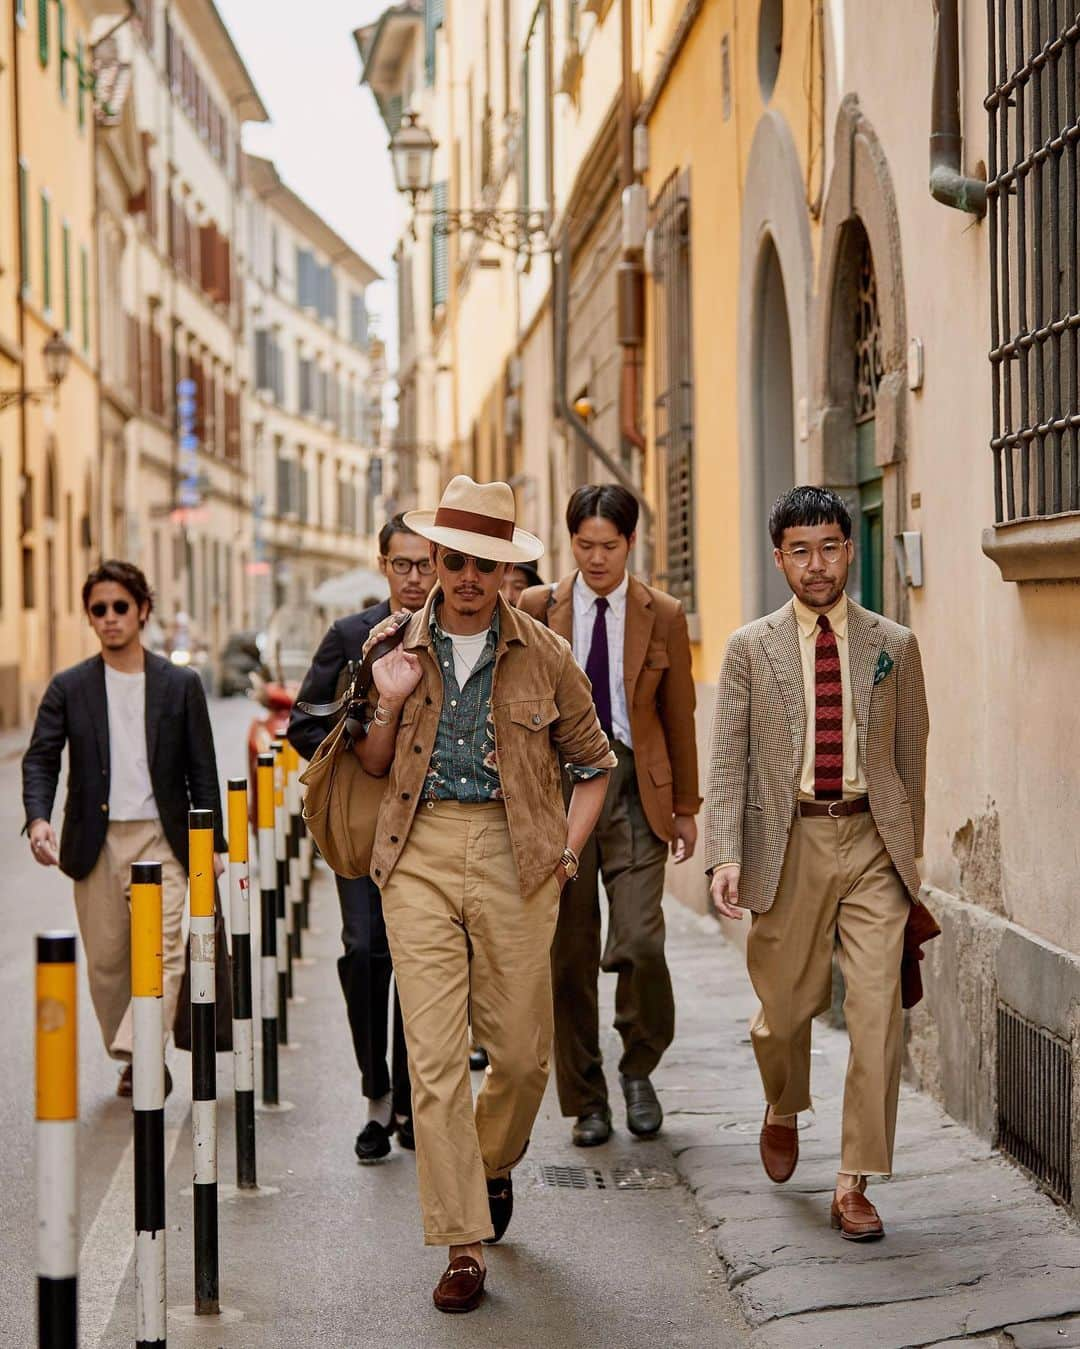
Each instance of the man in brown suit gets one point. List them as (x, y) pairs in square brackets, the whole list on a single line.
[(632, 642), (814, 822)]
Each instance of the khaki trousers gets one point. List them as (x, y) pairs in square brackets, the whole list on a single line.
[(103, 906), (838, 889), (462, 938), (632, 860)]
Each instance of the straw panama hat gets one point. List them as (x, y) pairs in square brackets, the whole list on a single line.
[(478, 519)]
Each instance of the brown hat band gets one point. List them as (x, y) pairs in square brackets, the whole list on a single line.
[(448, 518)]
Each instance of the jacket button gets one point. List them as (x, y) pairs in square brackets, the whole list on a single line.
[(536, 718), (378, 872), (404, 796), (427, 702), (105, 806), (418, 749), (393, 838)]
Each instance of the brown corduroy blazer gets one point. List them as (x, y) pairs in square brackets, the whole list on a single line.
[(757, 746), (659, 692)]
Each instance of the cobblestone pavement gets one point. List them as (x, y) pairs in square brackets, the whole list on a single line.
[(973, 1252)]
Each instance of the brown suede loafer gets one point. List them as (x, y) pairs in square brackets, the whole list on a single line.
[(779, 1147), (461, 1288), (855, 1218)]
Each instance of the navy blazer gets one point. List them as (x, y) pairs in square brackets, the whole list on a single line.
[(179, 750), (344, 641)]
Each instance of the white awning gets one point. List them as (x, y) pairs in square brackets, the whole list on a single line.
[(351, 590)]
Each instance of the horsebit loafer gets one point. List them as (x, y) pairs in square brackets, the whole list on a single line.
[(461, 1288), (500, 1206), (779, 1148), (855, 1218)]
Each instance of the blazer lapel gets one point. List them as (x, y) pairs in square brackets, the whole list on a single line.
[(156, 670), (639, 625), (98, 704), (781, 643), (560, 614), (866, 638)]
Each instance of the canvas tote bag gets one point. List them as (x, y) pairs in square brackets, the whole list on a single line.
[(342, 802)]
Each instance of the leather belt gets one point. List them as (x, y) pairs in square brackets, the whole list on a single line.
[(834, 809)]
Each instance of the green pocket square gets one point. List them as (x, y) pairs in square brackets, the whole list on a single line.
[(884, 665)]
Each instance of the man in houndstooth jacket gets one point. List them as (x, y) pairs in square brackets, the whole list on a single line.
[(814, 821)]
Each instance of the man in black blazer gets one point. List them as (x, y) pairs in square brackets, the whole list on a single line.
[(140, 755), (365, 967)]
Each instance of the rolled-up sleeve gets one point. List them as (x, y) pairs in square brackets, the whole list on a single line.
[(576, 732)]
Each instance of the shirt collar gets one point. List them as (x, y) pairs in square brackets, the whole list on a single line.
[(585, 596), (807, 618)]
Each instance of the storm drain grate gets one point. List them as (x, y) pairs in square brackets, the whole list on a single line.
[(642, 1178), (1034, 1082), (572, 1177)]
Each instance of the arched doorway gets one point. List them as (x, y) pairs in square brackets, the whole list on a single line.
[(774, 416)]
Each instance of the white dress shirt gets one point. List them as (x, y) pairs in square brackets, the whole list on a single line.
[(615, 621)]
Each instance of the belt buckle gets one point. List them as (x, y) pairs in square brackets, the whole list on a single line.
[(835, 803)]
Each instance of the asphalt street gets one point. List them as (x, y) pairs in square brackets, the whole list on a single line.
[(606, 1248)]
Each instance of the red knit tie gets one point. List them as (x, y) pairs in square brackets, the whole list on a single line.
[(829, 716)]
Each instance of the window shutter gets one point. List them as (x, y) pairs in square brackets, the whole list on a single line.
[(43, 31), (263, 376), (61, 46), (439, 247), (433, 21), (84, 268), (392, 112), (81, 77), (24, 226), (65, 257), (46, 254), (208, 260)]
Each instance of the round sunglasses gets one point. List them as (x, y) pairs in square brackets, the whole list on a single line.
[(458, 562), (100, 609)]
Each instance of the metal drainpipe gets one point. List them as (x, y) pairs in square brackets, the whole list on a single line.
[(948, 183)]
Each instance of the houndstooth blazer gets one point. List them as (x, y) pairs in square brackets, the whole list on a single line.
[(757, 746)]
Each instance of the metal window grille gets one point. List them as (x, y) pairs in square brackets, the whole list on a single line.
[(1034, 1084), (674, 384), (869, 367), (1035, 270)]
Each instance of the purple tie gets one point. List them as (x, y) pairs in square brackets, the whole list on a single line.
[(599, 670)]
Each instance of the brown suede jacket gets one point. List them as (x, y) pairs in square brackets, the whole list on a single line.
[(542, 707)]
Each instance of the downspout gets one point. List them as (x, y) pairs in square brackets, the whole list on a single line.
[(948, 183), (631, 276)]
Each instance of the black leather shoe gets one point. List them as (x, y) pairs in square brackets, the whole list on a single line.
[(643, 1114), (405, 1135), (592, 1129), (478, 1058), (500, 1206), (372, 1143)]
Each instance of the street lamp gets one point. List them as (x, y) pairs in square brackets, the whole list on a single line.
[(412, 154), (56, 354)]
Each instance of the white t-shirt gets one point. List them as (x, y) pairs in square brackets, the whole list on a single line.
[(131, 795), (467, 651)]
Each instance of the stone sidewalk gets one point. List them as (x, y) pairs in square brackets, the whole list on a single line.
[(973, 1252)]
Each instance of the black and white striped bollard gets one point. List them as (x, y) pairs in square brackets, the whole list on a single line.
[(292, 852), (203, 1060), (268, 977), (56, 1053), (148, 1101), (243, 1034), (306, 859)]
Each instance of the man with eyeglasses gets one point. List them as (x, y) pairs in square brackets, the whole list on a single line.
[(471, 715), (364, 968), (814, 822), (140, 755)]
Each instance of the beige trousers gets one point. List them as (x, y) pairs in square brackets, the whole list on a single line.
[(462, 938), (103, 906), (838, 889)]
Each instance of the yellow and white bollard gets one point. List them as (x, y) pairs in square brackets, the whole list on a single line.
[(268, 975)]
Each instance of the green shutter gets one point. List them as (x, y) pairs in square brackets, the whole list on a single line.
[(46, 254), (84, 268), (65, 236), (61, 46), (80, 73), (392, 111), (433, 21), (440, 257), (24, 227), (43, 31)]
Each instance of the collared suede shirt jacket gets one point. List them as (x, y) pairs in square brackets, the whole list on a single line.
[(541, 710)]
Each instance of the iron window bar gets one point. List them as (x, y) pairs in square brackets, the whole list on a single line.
[(1035, 271)]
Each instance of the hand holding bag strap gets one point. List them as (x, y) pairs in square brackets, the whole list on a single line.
[(358, 675)]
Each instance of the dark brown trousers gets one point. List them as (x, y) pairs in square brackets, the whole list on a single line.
[(631, 860)]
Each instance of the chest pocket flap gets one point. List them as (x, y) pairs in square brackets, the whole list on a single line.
[(534, 714)]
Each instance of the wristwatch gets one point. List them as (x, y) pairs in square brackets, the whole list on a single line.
[(570, 863)]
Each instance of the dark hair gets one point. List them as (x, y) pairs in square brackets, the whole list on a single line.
[(610, 501), (124, 574), (395, 525), (529, 571), (804, 506)]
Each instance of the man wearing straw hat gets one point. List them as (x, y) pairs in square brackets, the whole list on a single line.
[(471, 715)]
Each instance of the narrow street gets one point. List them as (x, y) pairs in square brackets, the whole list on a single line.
[(611, 1253)]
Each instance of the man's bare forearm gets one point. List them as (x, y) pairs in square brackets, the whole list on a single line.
[(586, 803), (376, 750)]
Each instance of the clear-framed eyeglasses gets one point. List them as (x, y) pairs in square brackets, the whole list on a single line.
[(801, 556), (401, 566)]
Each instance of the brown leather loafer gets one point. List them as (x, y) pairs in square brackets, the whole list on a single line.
[(779, 1147), (461, 1288), (855, 1218)]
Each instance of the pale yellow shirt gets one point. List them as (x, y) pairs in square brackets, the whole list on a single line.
[(807, 619)]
